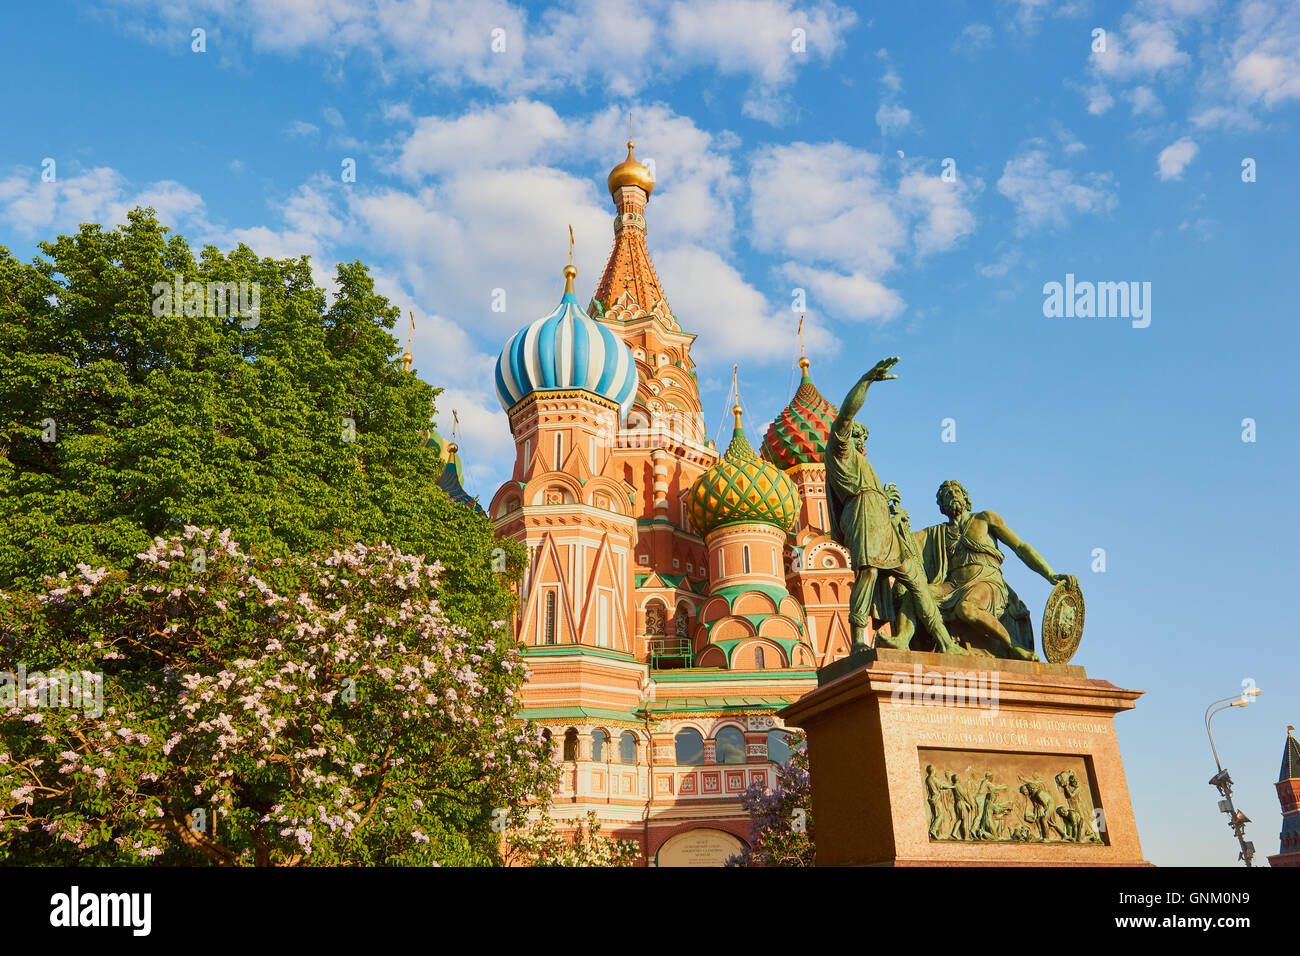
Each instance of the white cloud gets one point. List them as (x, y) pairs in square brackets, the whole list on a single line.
[(1140, 48), (892, 118), (1026, 14), (620, 47), (1045, 195), (495, 137), (843, 219), (101, 195), (755, 37), (855, 296), (1225, 117), (1008, 258), (827, 201), (1265, 57), (733, 319), (973, 38), (302, 128), (1099, 99), (943, 216), (1173, 159), (1144, 101), (1245, 57)]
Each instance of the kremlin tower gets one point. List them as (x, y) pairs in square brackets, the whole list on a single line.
[(1288, 794), (662, 621)]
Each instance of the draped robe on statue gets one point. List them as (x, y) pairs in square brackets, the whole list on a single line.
[(860, 519), (955, 562)]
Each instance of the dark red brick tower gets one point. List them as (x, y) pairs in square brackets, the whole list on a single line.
[(1288, 794)]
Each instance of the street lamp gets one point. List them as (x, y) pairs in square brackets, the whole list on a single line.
[(1236, 819)]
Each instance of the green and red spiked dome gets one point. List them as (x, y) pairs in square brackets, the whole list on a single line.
[(798, 435)]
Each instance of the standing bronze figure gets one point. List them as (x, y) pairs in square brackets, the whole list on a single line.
[(862, 523)]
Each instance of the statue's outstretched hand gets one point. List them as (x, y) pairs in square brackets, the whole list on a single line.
[(881, 370), (1069, 579)]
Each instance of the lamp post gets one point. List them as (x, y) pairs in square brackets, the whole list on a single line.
[(1236, 819)]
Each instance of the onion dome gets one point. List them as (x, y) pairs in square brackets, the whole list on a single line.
[(798, 435), (630, 173), (436, 443), (741, 487), (566, 349), (452, 479)]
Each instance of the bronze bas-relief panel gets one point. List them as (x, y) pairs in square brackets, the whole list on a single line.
[(992, 797)]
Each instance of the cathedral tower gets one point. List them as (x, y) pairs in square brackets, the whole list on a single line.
[(818, 573), (565, 380), (745, 508)]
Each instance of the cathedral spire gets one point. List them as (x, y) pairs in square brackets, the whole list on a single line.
[(803, 355), (630, 286), (408, 357)]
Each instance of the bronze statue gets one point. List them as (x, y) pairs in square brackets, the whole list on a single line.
[(861, 521), (963, 557)]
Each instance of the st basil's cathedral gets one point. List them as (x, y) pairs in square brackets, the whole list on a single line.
[(676, 596)]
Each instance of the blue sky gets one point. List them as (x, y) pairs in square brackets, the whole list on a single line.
[(818, 170)]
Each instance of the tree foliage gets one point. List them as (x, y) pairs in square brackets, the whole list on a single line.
[(781, 824), (318, 709), (130, 419), (194, 418), (541, 844)]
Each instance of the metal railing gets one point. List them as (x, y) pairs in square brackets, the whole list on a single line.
[(670, 652)]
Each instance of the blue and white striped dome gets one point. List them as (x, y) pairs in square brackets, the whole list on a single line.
[(566, 349)]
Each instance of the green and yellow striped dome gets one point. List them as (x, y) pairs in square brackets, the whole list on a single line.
[(741, 487)]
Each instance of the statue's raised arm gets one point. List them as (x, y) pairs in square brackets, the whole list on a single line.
[(843, 423)]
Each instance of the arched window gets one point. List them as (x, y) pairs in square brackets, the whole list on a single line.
[(550, 744), (690, 747), (745, 551), (759, 661), (598, 739), (683, 620), (570, 744), (627, 747), (778, 746), (656, 618), (559, 450), (729, 745), (548, 621)]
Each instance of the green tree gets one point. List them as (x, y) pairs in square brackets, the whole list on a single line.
[(213, 705), (541, 844), (123, 417)]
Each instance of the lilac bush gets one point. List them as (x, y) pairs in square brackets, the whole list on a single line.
[(316, 710), (781, 825)]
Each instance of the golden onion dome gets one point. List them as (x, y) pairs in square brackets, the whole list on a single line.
[(740, 487), (630, 173)]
